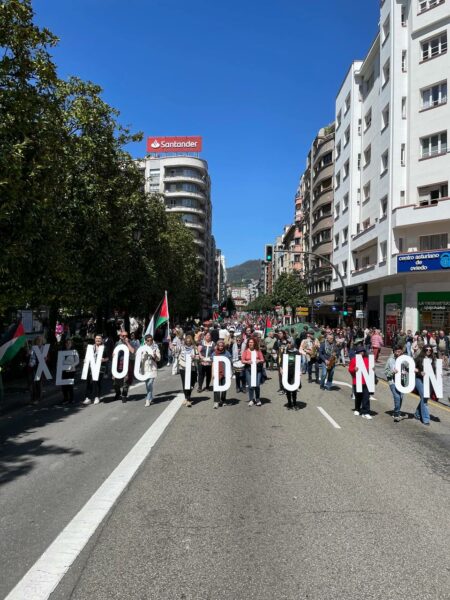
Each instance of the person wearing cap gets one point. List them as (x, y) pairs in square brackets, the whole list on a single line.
[(390, 372), (362, 399)]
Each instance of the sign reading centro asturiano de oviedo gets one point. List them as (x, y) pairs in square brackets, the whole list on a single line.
[(157, 145), (438, 260)]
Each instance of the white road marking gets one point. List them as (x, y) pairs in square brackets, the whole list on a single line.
[(327, 416), (350, 386), (44, 576)]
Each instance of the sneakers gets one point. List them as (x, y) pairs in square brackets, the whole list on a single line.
[(251, 403), (216, 405), (397, 418), (148, 402), (87, 401), (356, 413), (97, 401), (368, 417), (259, 403), (189, 403)]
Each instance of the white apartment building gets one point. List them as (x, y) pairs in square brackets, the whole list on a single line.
[(392, 208), (184, 183)]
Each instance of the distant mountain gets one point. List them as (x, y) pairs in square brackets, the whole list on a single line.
[(251, 269)]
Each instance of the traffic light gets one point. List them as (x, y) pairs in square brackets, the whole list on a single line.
[(344, 310), (269, 253)]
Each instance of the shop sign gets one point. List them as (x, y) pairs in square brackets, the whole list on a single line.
[(434, 305), (302, 311), (423, 261), (158, 145), (360, 314)]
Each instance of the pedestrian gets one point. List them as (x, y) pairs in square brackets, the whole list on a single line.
[(35, 385), (362, 398), (292, 352), (269, 343), (122, 384), (69, 366), (94, 388), (280, 348), (220, 350), (238, 365), (176, 349), (149, 366), (422, 412), (206, 352), (390, 372), (376, 341), (340, 346), (188, 349), (443, 347), (327, 360), (251, 354), (309, 349)]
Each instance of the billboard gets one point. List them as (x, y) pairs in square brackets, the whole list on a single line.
[(158, 145), (423, 261)]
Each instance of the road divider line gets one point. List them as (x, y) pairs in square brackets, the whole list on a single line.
[(44, 576), (350, 386), (328, 418)]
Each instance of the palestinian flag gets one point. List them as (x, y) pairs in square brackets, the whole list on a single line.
[(12, 342), (268, 327), (160, 317)]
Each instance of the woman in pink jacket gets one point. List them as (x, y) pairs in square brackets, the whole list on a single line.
[(252, 352), (376, 341)]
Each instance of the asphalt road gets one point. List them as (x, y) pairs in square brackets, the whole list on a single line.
[(234, 503)]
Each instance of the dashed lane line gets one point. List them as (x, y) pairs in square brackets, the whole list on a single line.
[(328, 418)]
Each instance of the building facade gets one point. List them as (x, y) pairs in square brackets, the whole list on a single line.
[(392, 120), (185, 187)]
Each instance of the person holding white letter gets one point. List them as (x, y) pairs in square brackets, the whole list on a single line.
[(362, 399), (149, 366), (390, 371), (95, 387), (220, 397), (252, 354), (188, 350), (422, 413)]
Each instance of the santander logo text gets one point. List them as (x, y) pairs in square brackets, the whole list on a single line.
[(174, 144)]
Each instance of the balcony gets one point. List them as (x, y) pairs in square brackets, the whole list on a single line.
[(412, 214), (178, 178), (182, 193)]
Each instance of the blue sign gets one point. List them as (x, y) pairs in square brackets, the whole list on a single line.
[(418, 262), (317, 303)]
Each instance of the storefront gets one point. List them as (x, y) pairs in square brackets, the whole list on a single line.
[(434, 310), (393, 305)]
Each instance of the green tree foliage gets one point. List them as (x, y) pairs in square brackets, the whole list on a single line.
[(77, 228), (263, 303), (289, 290)]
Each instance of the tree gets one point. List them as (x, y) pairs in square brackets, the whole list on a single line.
[(263, 303), (289, 290)]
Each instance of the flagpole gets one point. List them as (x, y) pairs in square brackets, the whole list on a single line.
[(168, 316)]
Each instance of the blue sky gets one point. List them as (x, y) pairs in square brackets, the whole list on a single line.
[(256, 79)]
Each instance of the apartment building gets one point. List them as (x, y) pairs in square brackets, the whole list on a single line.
[(185, 187), (392, 216)]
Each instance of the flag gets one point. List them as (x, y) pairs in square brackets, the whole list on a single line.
[(12, 342), (160, 317), (268, 327)]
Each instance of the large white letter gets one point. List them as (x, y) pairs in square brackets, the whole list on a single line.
[(187, 373), (137, 364), (91, 362), (369, 375), (42, 365), (408, 360), (436, 378), (253, 369), (226, 361), (291, 387), (62, 355), (115, 360)]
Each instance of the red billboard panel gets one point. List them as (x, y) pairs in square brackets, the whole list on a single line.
[(177, 144)]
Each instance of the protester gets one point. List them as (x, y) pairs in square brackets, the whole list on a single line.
[(220, 351), (206, 352), (292, 352), (252, 353), (362, 399), (188, 349), (327, 359), (122, 384), (376, 342), (94, 388), (309, 350), (422, 413), (149, 366), (390, 372), (35, 385), (69, 366), (238, 365)]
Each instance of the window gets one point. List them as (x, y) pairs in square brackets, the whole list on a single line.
[(369, 83), (346, 136), (386, 72), (344, 268), (433, 242), (434, 95), (404, 107), (346, 169), (358, 195), (347, 104), (359, 127), (338, 150), (154, 187), (345, 235), (327, 159), (337, 210), (356, 261), (367, 155), (338, 180), (400, 244), (385, 29), (345, 202), (366, 192), (383, 207), (366, 224), (359, 161), (384, 162), (404, 61), (338, 119), (383, 251), (434, 47), (403, 16), (428, 4), (368, 119), (431, 194), (385, 117), (434, 145), (403, 155), (402, 198), (336, 241)]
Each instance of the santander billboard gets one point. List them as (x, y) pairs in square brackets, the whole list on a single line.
[(174, 144)]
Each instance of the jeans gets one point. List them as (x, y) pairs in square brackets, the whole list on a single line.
[(408, 348), (240, 380), (253, 392), (304, 364), (362, 400), (326, 376), (291, 397), (149, 388), (341, 357), (205, 373), (311, 363), (398, 399), (422, 411)]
